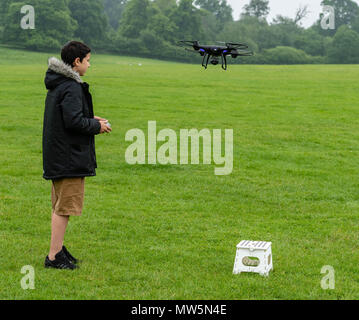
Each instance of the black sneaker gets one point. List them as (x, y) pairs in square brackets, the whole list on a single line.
[(61, 262), (70, 256)]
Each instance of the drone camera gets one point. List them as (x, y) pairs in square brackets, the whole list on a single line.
[(214, 62)]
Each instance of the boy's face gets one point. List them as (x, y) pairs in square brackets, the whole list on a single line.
[(81, 67)]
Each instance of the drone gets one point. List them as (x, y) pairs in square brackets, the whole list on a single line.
[(216, 51)]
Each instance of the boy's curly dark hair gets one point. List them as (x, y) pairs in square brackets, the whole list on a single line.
[(73, 50)]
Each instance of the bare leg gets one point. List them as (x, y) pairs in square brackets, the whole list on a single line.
[(58, 229)]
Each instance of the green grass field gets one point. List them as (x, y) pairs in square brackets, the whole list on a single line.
[(170, 232)]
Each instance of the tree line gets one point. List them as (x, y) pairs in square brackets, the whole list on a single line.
[(151, 28)]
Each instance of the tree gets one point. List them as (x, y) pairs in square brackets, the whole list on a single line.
[(257, 8), (219, 8), (344, 47), (4, 7), (166, 6), (311, 42), (134, 18), (210, 26), (114, 10), (160, 25), (225, 12), (215, 15), (259, 31), (91, 19), (301, 13), (54, 25), (285, 31), (188, 21), (209, 5), (240, 31)]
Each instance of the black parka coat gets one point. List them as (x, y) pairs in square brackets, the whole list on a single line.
[(69, 126)]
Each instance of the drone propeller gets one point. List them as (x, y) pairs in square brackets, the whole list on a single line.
[(239, 46), (222, 43), (245, 53), (232, 44), (184, 43)]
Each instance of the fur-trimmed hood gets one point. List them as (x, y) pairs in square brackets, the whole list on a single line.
[(58, 72)]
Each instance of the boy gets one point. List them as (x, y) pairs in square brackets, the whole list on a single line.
[(68, 143)]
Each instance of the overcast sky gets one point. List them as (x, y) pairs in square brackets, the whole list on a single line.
[(284, 7)]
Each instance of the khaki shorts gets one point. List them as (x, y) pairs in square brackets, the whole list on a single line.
[(67, 196)]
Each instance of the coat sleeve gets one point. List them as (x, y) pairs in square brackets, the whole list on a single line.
[(72, 113)]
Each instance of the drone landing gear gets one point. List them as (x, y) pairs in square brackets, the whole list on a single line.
[(224, 62), (204, 57), (214, 61)]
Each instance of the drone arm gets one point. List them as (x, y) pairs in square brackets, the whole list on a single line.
[(207, 60), (204, 57)]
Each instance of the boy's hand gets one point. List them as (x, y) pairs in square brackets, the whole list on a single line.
[(100, 119), (104, 127)]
